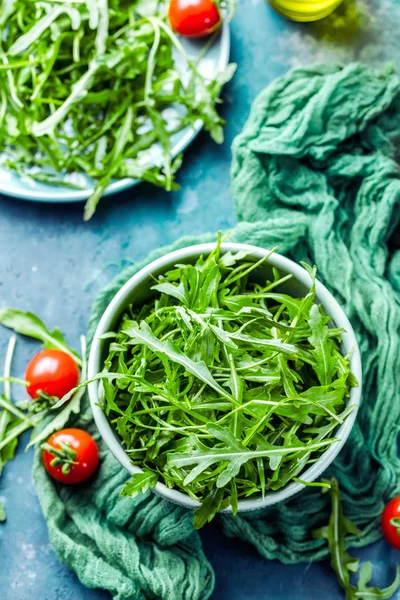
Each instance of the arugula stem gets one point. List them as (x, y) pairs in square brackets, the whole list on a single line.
[(16, 431), (344, 565), (5, 415), (9, 407)]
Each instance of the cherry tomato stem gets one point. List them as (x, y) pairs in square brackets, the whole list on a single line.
[(70, 456), (389, 528)]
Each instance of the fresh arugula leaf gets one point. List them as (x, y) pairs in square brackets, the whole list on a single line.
[(342, 563), (8, 419), (143, 335), (28, 324), (366, 592), (233, 454), (176, 291), (323, 345), (5, 415), (208, 509), (139, 483), (278, 345)]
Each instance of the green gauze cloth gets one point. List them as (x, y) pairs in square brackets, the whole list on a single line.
[(315, 172)]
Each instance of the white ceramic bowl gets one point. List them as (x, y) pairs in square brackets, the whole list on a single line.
[(137, 289)]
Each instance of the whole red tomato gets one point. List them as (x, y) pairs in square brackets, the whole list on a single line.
[(70, 455), (392, 511), (194, 18), (53, 372)]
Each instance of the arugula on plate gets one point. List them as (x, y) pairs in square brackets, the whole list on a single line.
[(223, 385), (98, 88)]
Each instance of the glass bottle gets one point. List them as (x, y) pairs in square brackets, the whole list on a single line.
[(305, 10)]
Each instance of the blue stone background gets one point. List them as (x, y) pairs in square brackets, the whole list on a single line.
[(54, 264)]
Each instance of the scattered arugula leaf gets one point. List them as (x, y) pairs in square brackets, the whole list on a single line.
[(211, 504), (342, 563), (7, 419), (139, 483), (28, 324)]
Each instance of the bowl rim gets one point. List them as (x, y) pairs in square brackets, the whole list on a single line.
[(324, 297)]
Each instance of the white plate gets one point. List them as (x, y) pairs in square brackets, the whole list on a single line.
[(25, 188)]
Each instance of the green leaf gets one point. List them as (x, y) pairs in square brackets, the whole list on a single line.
[(8, 418), (8, 7), (208, 292), (59, 421), (234, 497), (233, 454), (366, 592), (143, 335), (28, 324), (223, 337), (3, 516), (79, 91), (209, 507), (323, 345), (261, 474), (342, 563), (229, 259), (176, 291), (237, 386), (275, 344), (124, 136), (139, 483), (26, 40)]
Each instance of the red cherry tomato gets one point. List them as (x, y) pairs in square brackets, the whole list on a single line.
[(194, 18), (392, 511), (53, 372), (76, 456)]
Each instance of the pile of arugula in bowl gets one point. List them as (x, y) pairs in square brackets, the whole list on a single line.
[(221, 385)]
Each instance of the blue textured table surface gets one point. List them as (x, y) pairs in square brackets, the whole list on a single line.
[(54, 264)]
